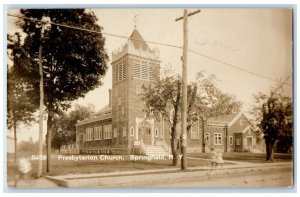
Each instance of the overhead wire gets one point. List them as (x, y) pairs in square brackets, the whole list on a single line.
[(153, 42)]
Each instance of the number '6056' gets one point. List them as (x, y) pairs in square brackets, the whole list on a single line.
[(38, 157)]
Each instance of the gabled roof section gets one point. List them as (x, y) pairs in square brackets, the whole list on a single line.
[(228, 120), (137, 40), (225, 120), (102, 114)]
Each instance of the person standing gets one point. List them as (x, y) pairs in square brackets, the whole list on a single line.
[(219, 159)]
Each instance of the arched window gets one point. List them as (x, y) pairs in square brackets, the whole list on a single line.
[(131, 131)]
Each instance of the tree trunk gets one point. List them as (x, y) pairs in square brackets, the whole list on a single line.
[(49, 132), (174, 152), (269, 150), (15, 155), (203, 136), (184, 155)]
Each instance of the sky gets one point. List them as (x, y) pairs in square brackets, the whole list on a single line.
[(256, 40)]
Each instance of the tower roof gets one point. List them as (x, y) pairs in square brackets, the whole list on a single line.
[(137, 40)]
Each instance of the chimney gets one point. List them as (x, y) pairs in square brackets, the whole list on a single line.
[(234, 110), (109, 93)]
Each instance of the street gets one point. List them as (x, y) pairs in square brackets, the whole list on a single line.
[(255, 176), (266, 178), (240, 178)]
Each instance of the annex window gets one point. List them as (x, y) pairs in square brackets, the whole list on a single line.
[(89, 134), (218, 138), (107, 130), (195, 133), (249, 141), (230, 140), (207, 140)]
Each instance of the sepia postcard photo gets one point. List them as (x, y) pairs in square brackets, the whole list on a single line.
[(149, 98)]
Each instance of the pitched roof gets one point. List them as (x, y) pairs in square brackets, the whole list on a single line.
[(106, 109), (137, 40), (224, 120), (102, 114)]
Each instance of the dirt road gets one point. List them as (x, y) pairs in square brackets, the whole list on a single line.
[(247, 177), (241, 178), (261, 178)]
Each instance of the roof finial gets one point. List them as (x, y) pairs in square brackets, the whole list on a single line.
[(135, 20)]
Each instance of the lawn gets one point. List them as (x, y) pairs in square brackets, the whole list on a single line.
[(63, 167), (247, 157)]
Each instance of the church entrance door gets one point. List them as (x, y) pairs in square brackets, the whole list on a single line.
[(145, 132)]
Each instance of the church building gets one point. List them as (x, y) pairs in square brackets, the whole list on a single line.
[(121, 127)]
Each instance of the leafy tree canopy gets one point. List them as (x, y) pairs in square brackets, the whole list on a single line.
[(273, 113), (74, 61), (20, 94), (64, 125), (204, 99)]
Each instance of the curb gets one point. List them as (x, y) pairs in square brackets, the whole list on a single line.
[(106, 179)]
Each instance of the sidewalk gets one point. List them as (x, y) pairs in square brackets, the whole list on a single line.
[(125, 177), (41, 183), (117, 179)]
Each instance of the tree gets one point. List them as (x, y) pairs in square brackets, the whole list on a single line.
[(162, 100), (20, 105), (274, 114), (74, 61), (64, 125)]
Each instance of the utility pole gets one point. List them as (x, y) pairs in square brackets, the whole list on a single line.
[(184, 88), (44, 28), (41, 112)]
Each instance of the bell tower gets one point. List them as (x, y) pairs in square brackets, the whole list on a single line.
[(133, 66)]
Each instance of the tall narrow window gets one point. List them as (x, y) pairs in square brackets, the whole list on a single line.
[(115, 134), (124, 131), (230, 140), (131, 131), (207, 140), (96, 133), (89, 134), (107, 131), (156, 132)]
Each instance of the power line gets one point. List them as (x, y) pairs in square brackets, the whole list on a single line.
[(237, 67), (95, 31), (157, 43)]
